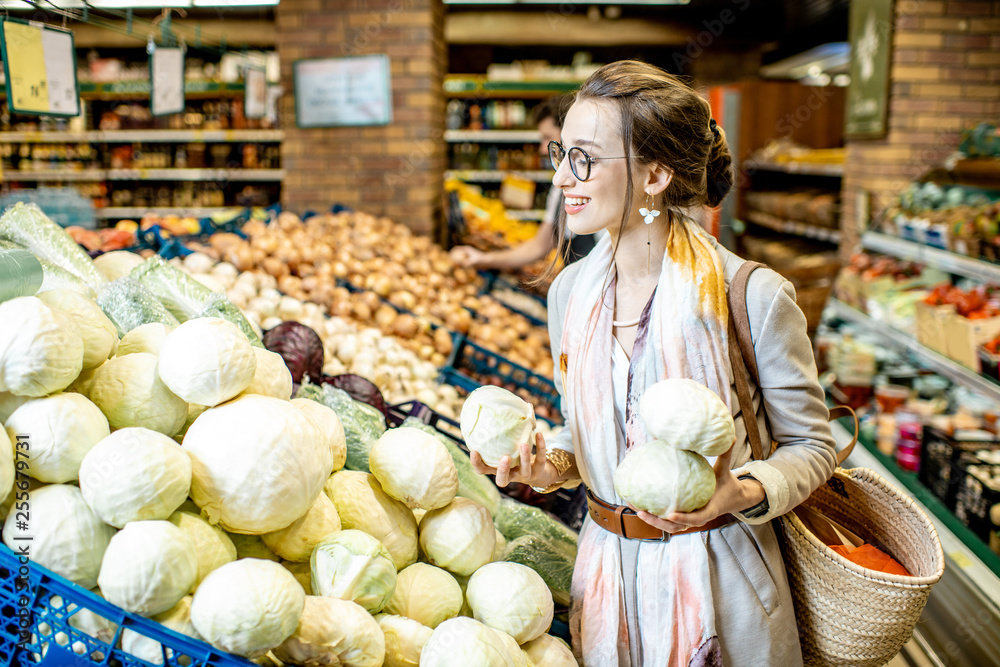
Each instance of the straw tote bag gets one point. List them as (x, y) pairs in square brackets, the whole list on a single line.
[(847, 615)]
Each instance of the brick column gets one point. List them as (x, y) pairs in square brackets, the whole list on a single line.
[(394, 170), (945, 77)]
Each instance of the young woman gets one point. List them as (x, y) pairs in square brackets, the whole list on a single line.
[(649, 303)]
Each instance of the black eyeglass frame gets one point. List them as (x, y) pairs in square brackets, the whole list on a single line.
[(590, 159)]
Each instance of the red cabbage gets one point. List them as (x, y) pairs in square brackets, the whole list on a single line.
[(360, 389), (299, 346)]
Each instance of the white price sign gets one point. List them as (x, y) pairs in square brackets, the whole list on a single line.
[(166, 70), (336, 92), (40, 66)]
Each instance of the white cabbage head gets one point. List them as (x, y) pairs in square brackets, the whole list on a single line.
[(495, 423), (148, 567), (135, 474), (129, 392), (687, 415), (328, 423), (10, 402), (458, 537), (258, 464), (404, 640), (352, 565), (66, 536), (7, 472), (144, 338), (414, 467), (500, 547), (248, 606), (207, 361), (362, 504), (661, 479), (462, 642), (271, 377), (62, 428), (296, 541), (302, 573), (117, 263), (549, 651), (177, 618), (252, 546), (512, 598), (41, 352), (427, 594), (334, 632), (99, 335), (212, 546)]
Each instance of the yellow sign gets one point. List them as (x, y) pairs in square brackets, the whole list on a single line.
[(26, 64)]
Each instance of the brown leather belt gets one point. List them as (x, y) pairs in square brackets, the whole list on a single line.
[(623, 521)]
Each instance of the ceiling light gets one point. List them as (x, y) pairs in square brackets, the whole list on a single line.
[(552, 2), (832, 58)]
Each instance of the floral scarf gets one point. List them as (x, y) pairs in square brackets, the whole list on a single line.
[(682, 334)]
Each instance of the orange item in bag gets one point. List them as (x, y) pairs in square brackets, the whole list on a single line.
[(870, 557)]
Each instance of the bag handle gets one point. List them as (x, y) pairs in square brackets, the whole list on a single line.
[(744, 362)]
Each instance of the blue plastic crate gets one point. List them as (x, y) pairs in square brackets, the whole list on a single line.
[(470, 364), (35, 626)]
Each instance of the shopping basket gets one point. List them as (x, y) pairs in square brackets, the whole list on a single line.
[(37, 626)]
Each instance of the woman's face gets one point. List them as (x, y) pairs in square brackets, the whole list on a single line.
[(596, 203)]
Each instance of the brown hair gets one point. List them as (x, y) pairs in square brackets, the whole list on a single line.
[(664, 120)]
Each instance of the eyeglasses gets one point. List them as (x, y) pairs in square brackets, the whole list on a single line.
[(579, 160)]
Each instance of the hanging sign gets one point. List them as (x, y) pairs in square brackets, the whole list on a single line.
[(166, 75), (871, 48), (254, 92), (336, 92), (40, 65)]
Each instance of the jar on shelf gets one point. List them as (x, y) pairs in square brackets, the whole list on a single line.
[(908, 443)]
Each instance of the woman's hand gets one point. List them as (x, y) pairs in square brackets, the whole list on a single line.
[(533, 470), (467, 256), (732, 495)]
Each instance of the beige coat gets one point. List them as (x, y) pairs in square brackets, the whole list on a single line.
[(754, 615)]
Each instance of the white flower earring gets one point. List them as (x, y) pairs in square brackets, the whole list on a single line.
[(648, 214)]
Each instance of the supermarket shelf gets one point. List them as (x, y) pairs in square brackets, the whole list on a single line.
[(495, 176), (122, 212), (195, 174), (508, 136), (129, 136), (91, 90), (480, 87), (55, 175), (938, 363), (805, 168), (147, 175), (532, 214), (934, 257), (792, 227)]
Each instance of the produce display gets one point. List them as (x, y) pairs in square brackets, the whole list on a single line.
[(212, 499), (963, 220)]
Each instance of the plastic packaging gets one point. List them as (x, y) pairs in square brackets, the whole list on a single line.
[(220, 306), (515, 519), (128, 305), (182, 295), (28, 227), (552, 563), (20, 274)]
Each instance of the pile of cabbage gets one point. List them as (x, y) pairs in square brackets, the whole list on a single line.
[(170, 471)]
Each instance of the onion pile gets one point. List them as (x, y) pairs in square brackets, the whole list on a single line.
[(384, 260)]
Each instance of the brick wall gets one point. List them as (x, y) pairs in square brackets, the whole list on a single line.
[(945, 77), (395, 170)]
